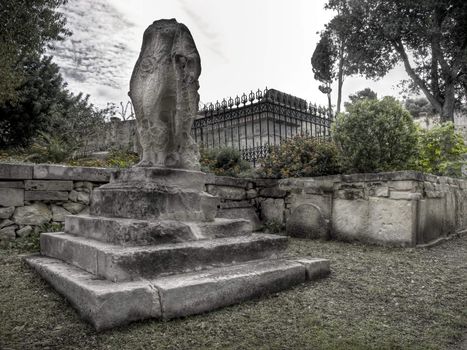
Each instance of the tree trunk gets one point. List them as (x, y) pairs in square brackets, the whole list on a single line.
[(447, 112), (340, 78), (329, 104)]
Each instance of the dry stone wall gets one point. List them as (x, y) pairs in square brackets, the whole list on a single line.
[(34, 197), (398, 208)]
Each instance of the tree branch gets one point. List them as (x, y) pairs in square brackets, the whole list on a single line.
[(399, 47)]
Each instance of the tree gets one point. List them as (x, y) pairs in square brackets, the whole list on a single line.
[(332, 54), (418, 107), (27, 28), (375, 135), (44, 104), (365, 94), (323, 61), (427, 36)]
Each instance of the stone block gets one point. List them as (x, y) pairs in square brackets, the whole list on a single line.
[(261, 183), (180, 178), (251, 193), (83, 197), (84, 185), (46, 195), (10, 197), (199, 292), (349, 219), (227, 192), (154, 203), (403, 185), (272, 210), (228, 181), (379, 191), (59, 172), (350, 194), (315, 267), (434, 194), (15, 171), (74, 208), (103, 303), (48, 185), (307, 221), (405, 195), (11, 184), (25, 231), (391, 222), (133, 232), (118, 263), (234, 204), (272, 192), (241, 213), (59, 213), (35, 214), (7, 234), (6, 213), (6, 223)]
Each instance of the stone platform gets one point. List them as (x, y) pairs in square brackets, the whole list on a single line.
[(151, 248)]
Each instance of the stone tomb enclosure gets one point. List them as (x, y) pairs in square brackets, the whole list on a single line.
[(152, 247)]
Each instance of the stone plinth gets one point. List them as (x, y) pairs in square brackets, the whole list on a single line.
[(151, 248)]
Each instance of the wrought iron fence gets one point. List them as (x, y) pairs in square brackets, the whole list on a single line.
[(256, 122)]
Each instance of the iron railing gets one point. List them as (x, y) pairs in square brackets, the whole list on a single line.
[(256, 122)]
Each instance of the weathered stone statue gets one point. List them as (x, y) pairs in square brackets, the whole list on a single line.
[(164, 91)]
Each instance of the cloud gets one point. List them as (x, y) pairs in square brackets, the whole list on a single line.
[(98, 53), (203, 26)]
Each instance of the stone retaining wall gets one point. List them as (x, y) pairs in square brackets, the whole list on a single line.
[(399, 208), (34, 197)]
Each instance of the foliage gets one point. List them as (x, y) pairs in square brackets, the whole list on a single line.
[(323, 63), (27, 28), (417, 106), (427, 36), (115, 159), (366, 93), (274, 226), (50, 149), (31, 243), (301, 156), (441, 150), (44, 104), (375, 135), (224, 161)]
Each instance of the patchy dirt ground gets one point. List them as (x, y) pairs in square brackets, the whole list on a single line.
[(375, 298)]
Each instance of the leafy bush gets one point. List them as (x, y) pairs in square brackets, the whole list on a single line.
[(224, 161), (115, 159), (50, 149), (440, 151), (375, 135), (300, 156)]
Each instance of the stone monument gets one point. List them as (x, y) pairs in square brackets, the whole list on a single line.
[(152, 246)]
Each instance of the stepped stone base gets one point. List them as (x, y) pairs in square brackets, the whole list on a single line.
[(106, 304), (152, 248)]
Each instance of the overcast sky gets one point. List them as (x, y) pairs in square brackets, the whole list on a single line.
[(244, 45)]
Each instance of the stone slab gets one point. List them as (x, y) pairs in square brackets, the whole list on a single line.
[(45, 195), (6, 213), (143, 232), (48, 185), (117, 263), (59, 172), (11, 184), (227, 192), (11, 197), (153, 203), (34, 214), (102, 303), (106, 304), (16, 171), (181, 178), (244, 213), (315, 267), (212, 179), (189, 294)]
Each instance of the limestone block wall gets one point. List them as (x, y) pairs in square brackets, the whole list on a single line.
[(33, 197), (398, 208)]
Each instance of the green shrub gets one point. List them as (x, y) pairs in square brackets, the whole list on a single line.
[(375, 135), (224, 161), (440, 151), (50, 149), (115, 159), (301, 156)]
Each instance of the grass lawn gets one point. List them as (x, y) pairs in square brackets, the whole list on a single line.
[(375, 298)]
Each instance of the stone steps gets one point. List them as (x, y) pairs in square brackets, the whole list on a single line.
[(134, 232), (106, 304), (118, 263)]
